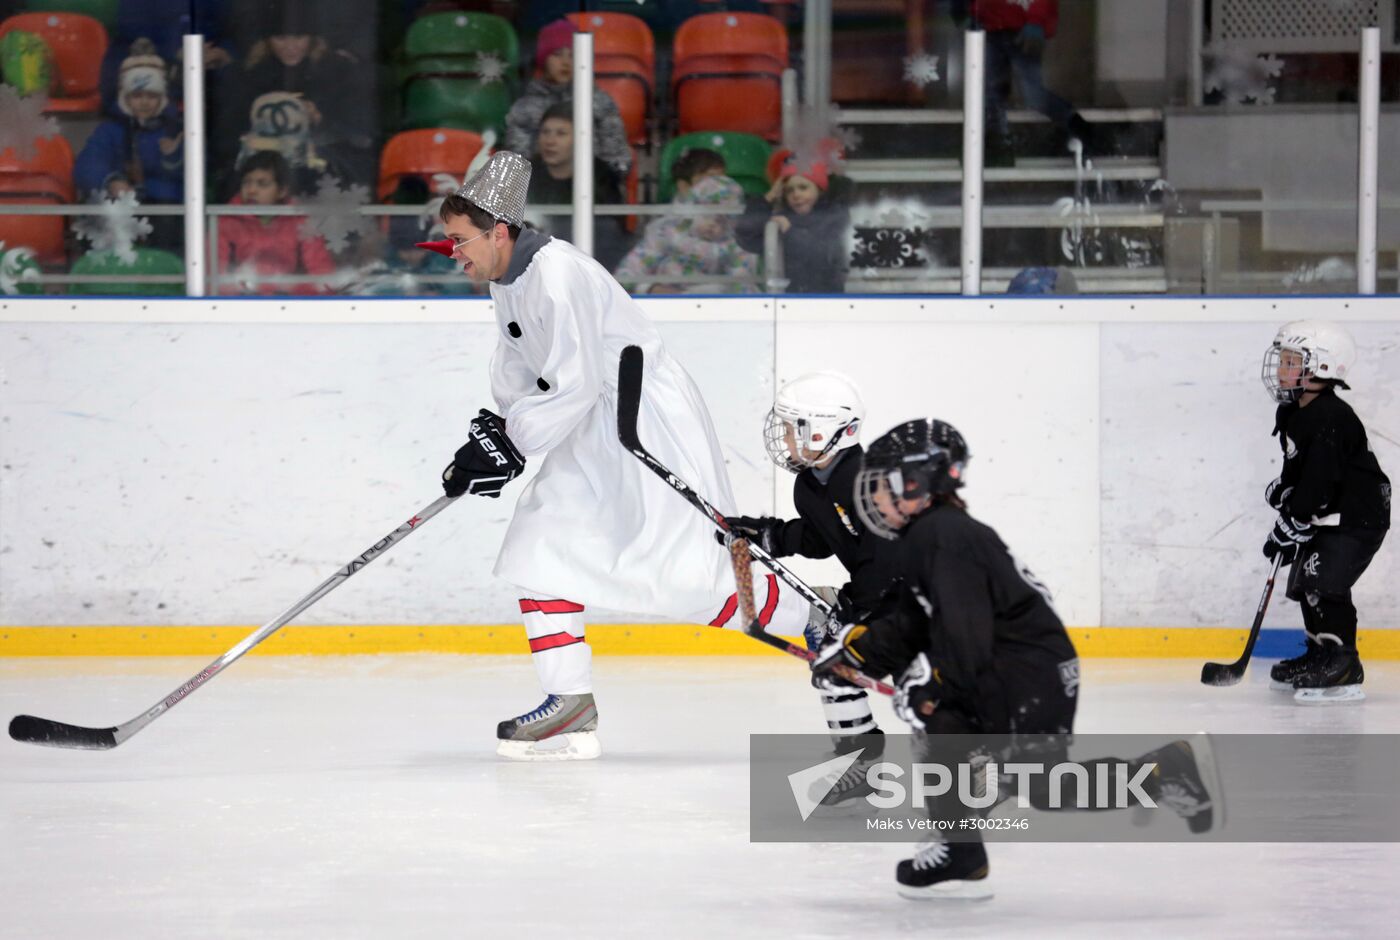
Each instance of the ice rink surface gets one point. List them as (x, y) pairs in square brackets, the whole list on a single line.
[(361, 797)]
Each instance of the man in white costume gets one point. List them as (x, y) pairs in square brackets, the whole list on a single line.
[(594, 527)]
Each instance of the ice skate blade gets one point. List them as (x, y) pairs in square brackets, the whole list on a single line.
[(1335, 695), (575, 745), (856, 806), (1209, 771), (955, 890), (1277, 686)]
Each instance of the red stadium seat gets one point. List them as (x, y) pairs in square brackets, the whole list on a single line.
[(624, 65), (45, 179), (425, 152), (78, 44), (728, 73)]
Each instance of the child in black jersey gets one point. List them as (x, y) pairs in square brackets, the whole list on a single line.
[(982, 652), (1333, 502), (813, 430)]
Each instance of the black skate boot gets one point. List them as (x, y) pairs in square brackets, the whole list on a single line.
[(1188, 783), (564, 727), (945, 871), (846, 796), (1285, 672), (1334, 679)]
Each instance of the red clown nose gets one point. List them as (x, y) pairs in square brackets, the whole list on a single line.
[(443, 247)]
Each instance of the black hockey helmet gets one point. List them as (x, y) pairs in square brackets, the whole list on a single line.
[(925, 457)]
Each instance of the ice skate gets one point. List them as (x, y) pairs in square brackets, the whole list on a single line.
[(1286, 671), (942, 870), (564, 727), (1334, 679), (1189, 783)]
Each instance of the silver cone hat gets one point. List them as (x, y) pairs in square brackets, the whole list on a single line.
[(500, 187)]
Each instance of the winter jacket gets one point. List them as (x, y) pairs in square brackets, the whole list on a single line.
[(671, 248), (610, 237), (109, 151), (609, 136), (816, 252), (251, 246), (996, 15)]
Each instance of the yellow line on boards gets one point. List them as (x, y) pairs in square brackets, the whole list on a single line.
[(605, 639)]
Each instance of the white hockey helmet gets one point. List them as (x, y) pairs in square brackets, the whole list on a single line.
[(1318, 349), (813, 416)]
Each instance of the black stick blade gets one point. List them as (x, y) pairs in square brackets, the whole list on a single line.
[(1221, 673), (33, 730), (629, 396)]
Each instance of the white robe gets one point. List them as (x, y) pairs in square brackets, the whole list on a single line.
[(595, 526)]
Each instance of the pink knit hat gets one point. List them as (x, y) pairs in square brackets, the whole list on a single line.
[(553, 37)]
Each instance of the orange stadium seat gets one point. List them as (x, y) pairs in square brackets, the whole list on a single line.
[(728, 73), (46, 179), (624, 65), (425, 152), (78, 44)]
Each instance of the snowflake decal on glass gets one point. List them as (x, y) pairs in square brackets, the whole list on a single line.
[(1243, 77), (22, 122), (338, 219), (17, 267), (921, 69), (490, 68), (116, 229)]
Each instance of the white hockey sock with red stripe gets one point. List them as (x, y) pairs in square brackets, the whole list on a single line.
[(562, 658)]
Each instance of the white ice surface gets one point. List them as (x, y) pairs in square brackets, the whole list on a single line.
[(360, 797)]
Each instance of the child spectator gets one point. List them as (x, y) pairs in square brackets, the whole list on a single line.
[(260, 246), (692, 166), (690, 245), (812, 220), (142, 149), (554, 56), (552, 183)]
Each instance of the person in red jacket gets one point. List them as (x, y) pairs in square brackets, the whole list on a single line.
[(1017, 31), (253, 247)]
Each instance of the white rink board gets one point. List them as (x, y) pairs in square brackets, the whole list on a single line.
[(209, 462)]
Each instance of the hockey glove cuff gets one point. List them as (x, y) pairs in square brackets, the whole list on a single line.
[(1276, 494), (838, 658), (486, 462), (918, 692)]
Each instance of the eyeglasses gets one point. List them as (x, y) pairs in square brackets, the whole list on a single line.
[(470, 240)]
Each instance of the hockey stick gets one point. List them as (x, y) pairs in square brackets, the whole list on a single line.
[(743, 580), (33, 730), (1223, 674), (629, 400)]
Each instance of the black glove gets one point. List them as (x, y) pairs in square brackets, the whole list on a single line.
[(837, 656), (763, 531), (486, 462), (918, 692), (1276, 494), (1287, 539)]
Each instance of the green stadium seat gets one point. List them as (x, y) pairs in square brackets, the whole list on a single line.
[(745, 157), (148, 261)]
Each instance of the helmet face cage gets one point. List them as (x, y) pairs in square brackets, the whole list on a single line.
[(1274, 364), (875, 489), (788, 438)]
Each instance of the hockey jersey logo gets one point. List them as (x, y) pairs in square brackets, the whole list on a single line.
[(1311, 566), (1069, 677), (845, 518)]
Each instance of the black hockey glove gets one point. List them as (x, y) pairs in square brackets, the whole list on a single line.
[(486, 462), (1287, 539), (918, 692), (762, 531), (839, 656), (1276, 494)]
